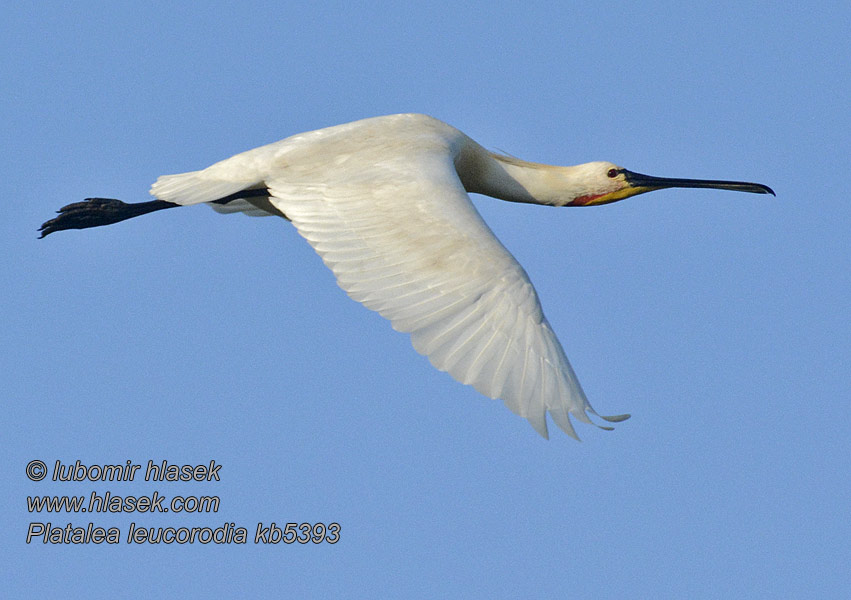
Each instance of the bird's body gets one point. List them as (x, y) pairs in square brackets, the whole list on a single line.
[(384, 202)]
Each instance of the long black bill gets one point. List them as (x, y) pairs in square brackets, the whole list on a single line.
[(656, 183)]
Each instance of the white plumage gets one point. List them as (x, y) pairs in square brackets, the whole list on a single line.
[(384, 202)]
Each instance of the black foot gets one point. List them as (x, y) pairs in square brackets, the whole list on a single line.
[(93, 212)]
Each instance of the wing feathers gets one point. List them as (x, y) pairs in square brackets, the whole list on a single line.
[(411, 246)]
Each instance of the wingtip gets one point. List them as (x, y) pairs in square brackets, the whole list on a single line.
[(615, 418), (542, 430)]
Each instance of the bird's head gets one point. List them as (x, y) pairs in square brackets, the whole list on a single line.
[(603, 182)]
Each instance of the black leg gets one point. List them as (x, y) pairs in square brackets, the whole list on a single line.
[(94, 212)]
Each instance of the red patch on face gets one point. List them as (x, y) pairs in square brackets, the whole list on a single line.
[(584, 200)]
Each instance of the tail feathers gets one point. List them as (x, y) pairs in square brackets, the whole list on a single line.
[(195, 187)]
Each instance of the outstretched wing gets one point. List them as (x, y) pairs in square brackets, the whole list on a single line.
[(403, 238)]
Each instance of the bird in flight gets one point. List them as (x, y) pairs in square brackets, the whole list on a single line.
[(384, 201)]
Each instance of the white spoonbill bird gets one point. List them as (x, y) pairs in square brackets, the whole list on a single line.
[(384, 202)]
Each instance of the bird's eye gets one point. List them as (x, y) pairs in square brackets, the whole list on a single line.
[(612, 173)]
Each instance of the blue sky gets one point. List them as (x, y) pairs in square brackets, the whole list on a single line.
[(719, 320)]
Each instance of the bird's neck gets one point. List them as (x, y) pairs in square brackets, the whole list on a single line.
[(516, 180)]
